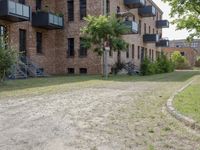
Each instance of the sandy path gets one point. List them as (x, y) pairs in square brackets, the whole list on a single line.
[(119, 116)]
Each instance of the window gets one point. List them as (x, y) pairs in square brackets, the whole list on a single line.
[(38, 4), (71, 70), (157, 16), (83, 50), (22, 41), (138, 52), (22, 1), (145, 28), (140, 26), (153, 31), (145, 52), (133, 17), (149, 53), (39, 42), (152, 54), (83, 70), (70, 52), (70, 7), (149, 29), (107, 6), (118, 9), (182, 53), (133, 51), (127, 53), (82, 9)]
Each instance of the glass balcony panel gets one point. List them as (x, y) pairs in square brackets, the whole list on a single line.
[(60, 21), (19, 9), (51, 17), (56, 21), (11, 7), (26, 11)]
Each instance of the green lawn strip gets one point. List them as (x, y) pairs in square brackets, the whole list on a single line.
[(35, 86), (188, 102)]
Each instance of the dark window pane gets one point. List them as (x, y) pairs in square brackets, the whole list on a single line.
[(38, 4), (83, 70), (70, 4), (70, 52), (22, 41), (83, 50), (83, 7), (39, 42), (71, 70)]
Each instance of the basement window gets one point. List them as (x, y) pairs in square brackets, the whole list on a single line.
[(83, 70)]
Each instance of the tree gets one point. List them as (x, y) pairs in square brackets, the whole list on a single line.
[(102, 33), (186, 14), (179, 61), (7, 59)]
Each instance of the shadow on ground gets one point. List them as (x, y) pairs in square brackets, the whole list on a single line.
[(11, 85)]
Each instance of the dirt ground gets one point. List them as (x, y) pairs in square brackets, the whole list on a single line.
[(117, 116)]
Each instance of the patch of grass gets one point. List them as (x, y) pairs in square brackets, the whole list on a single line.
[(188, 102), (35, 86)]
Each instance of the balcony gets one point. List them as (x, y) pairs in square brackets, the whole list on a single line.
[(162, 24), (132, 26), (147, 11), (134, 3), (151, 38), (13, 11), (163, 43), (47, 20)]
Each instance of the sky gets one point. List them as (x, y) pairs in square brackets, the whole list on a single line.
[(170, 32)]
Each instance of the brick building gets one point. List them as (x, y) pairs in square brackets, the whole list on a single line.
[(47, 32), (195, 44), (190, 53)]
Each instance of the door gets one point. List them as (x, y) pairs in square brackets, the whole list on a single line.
[(22, 42)]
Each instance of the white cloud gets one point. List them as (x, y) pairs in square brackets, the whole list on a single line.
[(170, 32)]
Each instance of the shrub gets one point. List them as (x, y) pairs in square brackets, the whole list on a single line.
[(180, 61), (117, 67), (7, 59), (197, 63), (164, 65), (161, 65)]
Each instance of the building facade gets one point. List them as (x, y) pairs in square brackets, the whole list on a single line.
[(185, 44), (191, 54), (47, 32)]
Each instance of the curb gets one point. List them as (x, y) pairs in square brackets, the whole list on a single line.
[(186, 120)]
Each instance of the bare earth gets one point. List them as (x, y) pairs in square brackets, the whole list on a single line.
[(119, 116)]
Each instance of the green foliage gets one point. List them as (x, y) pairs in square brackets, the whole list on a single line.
[(180, 61), (102, 31), (197, 63), (7, 59), (161, 65), (186, 15)]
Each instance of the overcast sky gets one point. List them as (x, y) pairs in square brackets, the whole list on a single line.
[(170, 32)]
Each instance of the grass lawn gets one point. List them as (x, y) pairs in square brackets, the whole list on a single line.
[(188, 102), (35, 86)]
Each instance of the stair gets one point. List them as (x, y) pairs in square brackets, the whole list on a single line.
[(25, 68)]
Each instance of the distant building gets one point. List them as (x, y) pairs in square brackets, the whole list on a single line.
[(184, 43), (190, 53)]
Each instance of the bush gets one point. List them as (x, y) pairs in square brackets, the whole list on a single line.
[(180, 61), (197, 63), (161, 65), (7, 59)]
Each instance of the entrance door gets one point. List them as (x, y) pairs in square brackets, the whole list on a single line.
[(22, 42)]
